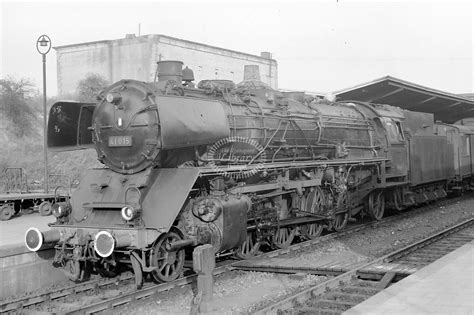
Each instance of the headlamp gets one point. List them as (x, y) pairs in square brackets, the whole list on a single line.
[(129, 213), (113, 98), (61, 209)]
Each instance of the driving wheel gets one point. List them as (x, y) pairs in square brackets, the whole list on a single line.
[(376, 205), (341, 218), (249, 247), (313, 202), (283, 236)]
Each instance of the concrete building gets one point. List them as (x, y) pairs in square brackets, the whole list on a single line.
[(135, 57)]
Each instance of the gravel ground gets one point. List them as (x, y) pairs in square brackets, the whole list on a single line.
[(244, 292), (235, 292), (384, 239)]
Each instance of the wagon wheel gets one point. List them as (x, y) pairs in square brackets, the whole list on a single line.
[(169, 263), (6, 212), (340, 220), (45, 208), (283, 236), (249, 247), (376, 206), (313, 202)]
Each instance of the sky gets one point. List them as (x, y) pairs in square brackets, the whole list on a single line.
[(321, 46)]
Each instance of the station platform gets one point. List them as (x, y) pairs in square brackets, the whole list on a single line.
[(12, 232), (444, 287), (21, 270)]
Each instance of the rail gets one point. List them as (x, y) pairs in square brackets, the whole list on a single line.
[(347, 277)]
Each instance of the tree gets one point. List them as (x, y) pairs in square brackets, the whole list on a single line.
[(15, 96), (89, 87)]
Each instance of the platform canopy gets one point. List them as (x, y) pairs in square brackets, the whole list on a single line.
[(445, 106)]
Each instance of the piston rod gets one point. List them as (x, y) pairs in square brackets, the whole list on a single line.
[(179, 244)]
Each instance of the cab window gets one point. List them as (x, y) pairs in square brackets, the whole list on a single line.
[(394, 130), (465, 146)]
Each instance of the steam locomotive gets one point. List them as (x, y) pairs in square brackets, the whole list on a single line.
[(234, 166)]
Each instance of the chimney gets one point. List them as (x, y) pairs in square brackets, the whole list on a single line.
[(251, 72), (170, 70), (266, 54)]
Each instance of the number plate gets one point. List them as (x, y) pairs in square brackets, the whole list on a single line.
[(120, 141)]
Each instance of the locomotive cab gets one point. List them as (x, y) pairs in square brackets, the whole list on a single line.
[(397, 146), (389, 124)]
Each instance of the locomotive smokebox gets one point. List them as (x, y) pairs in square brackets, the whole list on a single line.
[(170, 70)]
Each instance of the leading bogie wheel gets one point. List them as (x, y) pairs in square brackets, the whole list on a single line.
[(73, 270), (313, 202), (169, 263), (340, 220), (137, 271), (376, 205), (108, 268), (249, 247), (6, 212)]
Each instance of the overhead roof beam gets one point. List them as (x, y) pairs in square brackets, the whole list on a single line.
[(454, 104), (423, 91), (447, 108), (438, 108), (384, 95), (425, 101)]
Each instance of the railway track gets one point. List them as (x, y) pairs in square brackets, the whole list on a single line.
[(150, 289), (351, 285), (153, 289)]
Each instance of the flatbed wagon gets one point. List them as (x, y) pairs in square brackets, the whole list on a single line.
[(17, 196)]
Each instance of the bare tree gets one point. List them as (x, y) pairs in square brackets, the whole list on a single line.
[(15, 98), (89, 87)]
